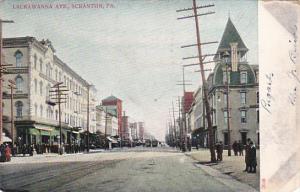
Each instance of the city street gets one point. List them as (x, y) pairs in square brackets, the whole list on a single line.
[(136, 169)]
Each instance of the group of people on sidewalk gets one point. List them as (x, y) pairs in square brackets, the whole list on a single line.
[(5, 153), (238, 147), (250, 157)]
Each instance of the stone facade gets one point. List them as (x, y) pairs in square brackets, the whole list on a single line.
[(35, 69), (232, 68)]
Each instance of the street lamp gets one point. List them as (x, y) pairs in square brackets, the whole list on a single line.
[(227, 63)]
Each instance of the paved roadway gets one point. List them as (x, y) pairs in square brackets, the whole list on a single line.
[(134, 170)]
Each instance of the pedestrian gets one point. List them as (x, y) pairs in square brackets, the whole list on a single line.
[(24, 150), (7, 153), (2, 153), (221, 150), (235, 148), (252, 158), (241, 148), (247, 151)]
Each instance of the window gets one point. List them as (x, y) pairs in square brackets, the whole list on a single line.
[(257, 97), (19, 83), (41, 111), (243, 77), (243, 98), (225, 99), (41, 65), (225, 117), (56, 115), (48, 92), (34, 61), (60, 77), (41, 88), (35, 86), (35, 109), (225, 138), (257, 115), (19, 108), (56, 75), (225, 77), (18, 56), (243, 116), (244, 138)]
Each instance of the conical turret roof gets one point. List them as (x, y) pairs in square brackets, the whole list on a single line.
[(231, 35)]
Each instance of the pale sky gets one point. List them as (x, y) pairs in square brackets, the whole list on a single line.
[(133, 50)]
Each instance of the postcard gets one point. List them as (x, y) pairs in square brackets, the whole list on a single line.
[(149, 95)]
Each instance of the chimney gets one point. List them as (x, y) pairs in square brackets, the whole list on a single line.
[(234, 57)]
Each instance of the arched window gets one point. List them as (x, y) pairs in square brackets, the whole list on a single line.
[(35, 86), (41, 65), (34, 61), (19, 83), (56, 75), (35, 109), (19, 108), (41, 88), (56, 115), (48, 92), (18, 56), (41, 111)]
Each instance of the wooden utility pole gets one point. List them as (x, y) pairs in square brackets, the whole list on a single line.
[(11, 86), (228, 104), (184, 127), (105, 128), (175, 135), (2, 68), (201, 63), (88, 119), (180, 124), (58, 96)]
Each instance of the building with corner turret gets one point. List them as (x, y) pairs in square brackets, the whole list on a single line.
[(232, 65)]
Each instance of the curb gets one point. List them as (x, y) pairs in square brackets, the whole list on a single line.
[(227, 180)]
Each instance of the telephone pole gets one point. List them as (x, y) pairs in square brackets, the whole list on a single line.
[(88, 119), (201, 63), (58, 96), (175, 135), (2, 69), (11, 86)]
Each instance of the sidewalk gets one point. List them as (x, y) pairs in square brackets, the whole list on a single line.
[(232, 166)]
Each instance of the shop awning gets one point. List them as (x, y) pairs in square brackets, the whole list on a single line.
[(112, 140), (34, 131), (5, 138), (55, 132)]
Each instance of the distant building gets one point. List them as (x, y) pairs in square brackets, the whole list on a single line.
[(126, 133), (114, 106), (134, 130), (141, 130)]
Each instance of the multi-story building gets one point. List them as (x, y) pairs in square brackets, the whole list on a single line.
[(126, 133), (232, 67), (35, 69), (114, 105), (141, 130), (134, 130)]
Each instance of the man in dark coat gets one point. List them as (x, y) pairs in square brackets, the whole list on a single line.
[(247, 151), (235, 148), (240, 148), (2, 153), (252, 158), (219, 150)]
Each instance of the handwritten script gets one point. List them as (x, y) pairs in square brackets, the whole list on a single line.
[(266, 103)]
